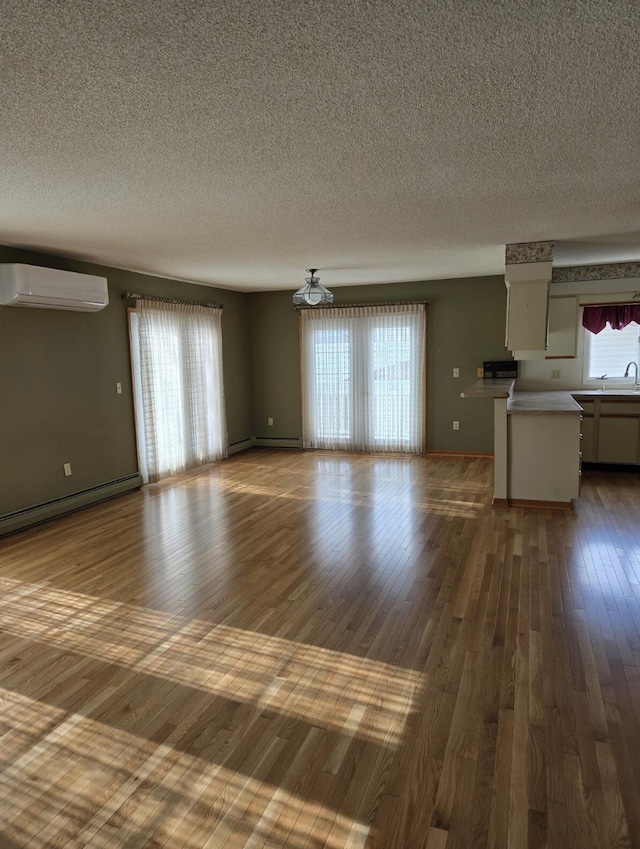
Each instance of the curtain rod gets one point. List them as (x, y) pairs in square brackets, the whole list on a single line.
[(127, 295), (632, 303), (369, 304)]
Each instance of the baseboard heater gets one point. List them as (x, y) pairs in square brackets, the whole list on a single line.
[(67, 504), (265, 442), (241, 445), (277, 442)]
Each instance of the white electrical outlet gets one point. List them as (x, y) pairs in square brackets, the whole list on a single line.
[(555, 373), (119, 388), (456, 372), (67, 469), (456, 425), (269, 421)]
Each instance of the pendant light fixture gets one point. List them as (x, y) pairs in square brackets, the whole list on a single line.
[(312, 294)]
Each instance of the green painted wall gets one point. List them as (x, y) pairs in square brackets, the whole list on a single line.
[(466, 321), (58, 385), (59, 370)]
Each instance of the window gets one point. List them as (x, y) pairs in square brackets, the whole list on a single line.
[(608, 352), (363, 371)]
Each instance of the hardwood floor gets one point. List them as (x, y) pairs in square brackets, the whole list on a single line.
[(322, 650)]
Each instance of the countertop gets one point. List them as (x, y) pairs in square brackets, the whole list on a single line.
[(492, 388), (561, 401), (607, 393), (542, 403)]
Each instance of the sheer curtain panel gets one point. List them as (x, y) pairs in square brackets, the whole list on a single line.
[(180, 384), (363, 377)]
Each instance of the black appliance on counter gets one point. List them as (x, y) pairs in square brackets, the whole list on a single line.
[(500, 368)]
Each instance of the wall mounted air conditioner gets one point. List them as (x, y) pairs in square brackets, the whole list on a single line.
[(51, 289)]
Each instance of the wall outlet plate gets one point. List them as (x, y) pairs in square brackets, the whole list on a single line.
[(479, 372), (456, 372), (456, 425), (67, 469)]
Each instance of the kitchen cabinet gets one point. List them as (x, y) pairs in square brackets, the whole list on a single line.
[(561, 332), (610, 429), (544, 458), (536, 445), (563, 327), (618, 440), (617, 437), (587, 441), (527, 315)]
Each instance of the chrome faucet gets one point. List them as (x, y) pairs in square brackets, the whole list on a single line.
[(626, 371)]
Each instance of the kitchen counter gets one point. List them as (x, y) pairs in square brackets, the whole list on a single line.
[(542, 403), (606, 393), (611, 426), (493, 388), (550, 401), (536, 437)]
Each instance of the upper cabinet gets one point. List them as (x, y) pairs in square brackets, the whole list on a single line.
[(527, 315), (563, 327), (527, 306), (538, 325), (561, 332)]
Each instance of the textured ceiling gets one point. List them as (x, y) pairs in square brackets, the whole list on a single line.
[(238, 143)]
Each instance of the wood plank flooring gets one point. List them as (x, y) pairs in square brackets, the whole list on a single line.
[(312, 650)]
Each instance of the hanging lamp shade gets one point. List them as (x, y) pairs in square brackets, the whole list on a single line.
[(312, 294)]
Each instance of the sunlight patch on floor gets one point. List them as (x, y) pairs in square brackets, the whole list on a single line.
[(456, 501), (299, 680), (67, 778)]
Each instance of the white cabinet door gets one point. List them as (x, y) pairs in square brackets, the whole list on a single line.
[(563, 327), (618, 439), (587, 443), (527, 304), (544, 457)]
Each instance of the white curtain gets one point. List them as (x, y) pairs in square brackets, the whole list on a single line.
[(180, 404), (363, 377)]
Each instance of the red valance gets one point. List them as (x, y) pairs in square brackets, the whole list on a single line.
[(617, 316)]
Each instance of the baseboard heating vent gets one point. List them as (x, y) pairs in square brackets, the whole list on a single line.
[(240, 445), (277, 441), (39, 513)]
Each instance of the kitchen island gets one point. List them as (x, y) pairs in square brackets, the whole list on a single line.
[(536, 445)]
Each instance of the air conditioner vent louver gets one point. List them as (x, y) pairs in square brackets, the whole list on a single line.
[(49, 288)]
